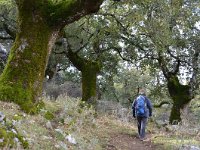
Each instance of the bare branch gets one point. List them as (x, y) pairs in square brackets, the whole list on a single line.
[(177, 57), (118, 50)]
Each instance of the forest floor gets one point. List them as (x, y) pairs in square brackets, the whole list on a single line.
[(65, 124), (123, 136), (122, 141)]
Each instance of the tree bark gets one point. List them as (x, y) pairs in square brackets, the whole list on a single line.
[(89, 70), (161, 104), (89, 77), (180, 95), (21, 81), (39, 24)]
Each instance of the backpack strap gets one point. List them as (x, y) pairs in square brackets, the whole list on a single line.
[(145, 100)]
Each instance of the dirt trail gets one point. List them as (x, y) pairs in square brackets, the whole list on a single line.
[(119, 135), (129, 142)]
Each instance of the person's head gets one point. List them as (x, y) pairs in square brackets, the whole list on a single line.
[(142, 92)]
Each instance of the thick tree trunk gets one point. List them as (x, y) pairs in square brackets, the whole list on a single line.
[(180, 95), (89, 70), (24, 73), (89, 77), (39, 23)]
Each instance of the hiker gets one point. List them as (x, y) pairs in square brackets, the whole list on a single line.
[(142, 109)]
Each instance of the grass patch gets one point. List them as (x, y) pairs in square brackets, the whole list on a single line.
[(65, 124)]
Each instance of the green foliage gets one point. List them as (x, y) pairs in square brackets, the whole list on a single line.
[(3, 135), (6, 2), (8, 133), (49, 116), (17, 117), (8, 10), (56, 10), (30, 52), (128, 82)]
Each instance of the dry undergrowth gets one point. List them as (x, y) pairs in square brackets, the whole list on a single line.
[(63, 124)]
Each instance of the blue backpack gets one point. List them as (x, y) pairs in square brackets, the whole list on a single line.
[(140, 107)]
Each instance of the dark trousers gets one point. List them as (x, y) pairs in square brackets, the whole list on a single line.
[(142, 122)]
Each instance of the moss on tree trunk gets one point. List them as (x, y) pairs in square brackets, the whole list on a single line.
[(24, 73), (89, 70), (89, 77), (180, 95), (39, 21)]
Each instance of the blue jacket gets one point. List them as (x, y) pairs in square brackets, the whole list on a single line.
[(148, 112)]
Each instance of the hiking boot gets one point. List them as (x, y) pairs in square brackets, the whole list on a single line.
[(144, 139), (138, 136)]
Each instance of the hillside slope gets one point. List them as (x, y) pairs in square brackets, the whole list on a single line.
[(70, 124)]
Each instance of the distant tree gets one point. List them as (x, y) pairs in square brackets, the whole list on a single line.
[(164, 35), (171, 28), (128, 81), (83, 46), (39, 25), (89, 70)]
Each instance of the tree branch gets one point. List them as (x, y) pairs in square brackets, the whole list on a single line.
[(176, 57), (176, 68), (118, 50), (161, 103), (61, 13), (163, 65), (84, 45), (9, 31)]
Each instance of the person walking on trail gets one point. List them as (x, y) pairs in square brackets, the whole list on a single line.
[(142, 110)]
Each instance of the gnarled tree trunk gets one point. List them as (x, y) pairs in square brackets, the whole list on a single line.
[(180, 95), (39, 24)]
